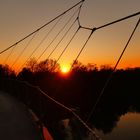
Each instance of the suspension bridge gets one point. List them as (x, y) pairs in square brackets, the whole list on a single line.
[(32, 96)]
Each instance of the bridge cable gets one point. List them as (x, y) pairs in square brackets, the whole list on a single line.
[(70, 110), (65, 48), (70, 39), (96, 28), (68, 44), (61, 39), (45, 37), (79, 13), (37, 47), (119, 20), (113, 22), (10, 53), (20, 54), (110, 76), (82, 48), (57, 35), (59, 104), (65, 33), (1, 52)]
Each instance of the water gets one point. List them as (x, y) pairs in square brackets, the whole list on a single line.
[(127, 127), (117, 117)]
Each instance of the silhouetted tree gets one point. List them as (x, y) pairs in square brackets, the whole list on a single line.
[(78, 66), (91, 67), (6, 72), (47, 65), (26, 75), (31, 64)]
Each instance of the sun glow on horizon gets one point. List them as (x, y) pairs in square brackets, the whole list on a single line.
[(65, 69)]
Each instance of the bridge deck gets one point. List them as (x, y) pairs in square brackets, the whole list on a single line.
[(16, 122)]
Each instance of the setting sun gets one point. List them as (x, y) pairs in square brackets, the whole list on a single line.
[(65, 69)]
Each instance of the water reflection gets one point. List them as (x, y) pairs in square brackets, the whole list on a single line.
[(127, 128), (71, 129), (117, 116)]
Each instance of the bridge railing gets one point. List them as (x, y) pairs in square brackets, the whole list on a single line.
[(34, 99), (46, 108)]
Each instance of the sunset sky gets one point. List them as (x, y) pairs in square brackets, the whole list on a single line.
[(20, 17)]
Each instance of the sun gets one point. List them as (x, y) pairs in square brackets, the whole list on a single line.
[(65, 69)]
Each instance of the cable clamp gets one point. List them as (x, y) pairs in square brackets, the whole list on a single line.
[(94, 29)]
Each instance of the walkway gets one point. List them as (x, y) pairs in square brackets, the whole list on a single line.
[(16, 122)]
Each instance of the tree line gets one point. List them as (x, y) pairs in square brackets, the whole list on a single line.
[(81, 88)]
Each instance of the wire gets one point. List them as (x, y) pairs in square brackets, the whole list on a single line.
[(61, 39), (65, 34), (61, 105), (113, 22), (65, 48), (42, 41), (23, 50), (82, 48), (110, 76), (68, 44), (116, 21), (12, 50), (96, 28), (41, 27), (79, 13), (28, 57), (57, 35)]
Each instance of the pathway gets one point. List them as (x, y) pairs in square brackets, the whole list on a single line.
[(16, 122)]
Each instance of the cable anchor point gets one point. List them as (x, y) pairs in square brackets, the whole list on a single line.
[(94, 29)]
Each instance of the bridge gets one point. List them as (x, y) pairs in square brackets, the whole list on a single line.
[(41, 108), (15, 120), (37, 107)]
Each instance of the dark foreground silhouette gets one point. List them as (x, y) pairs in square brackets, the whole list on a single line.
[(15, 121), (81, 88)]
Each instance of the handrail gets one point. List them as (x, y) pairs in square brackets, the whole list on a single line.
[(41, 103)]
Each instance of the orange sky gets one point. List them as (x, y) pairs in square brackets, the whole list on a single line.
[(19, 18)]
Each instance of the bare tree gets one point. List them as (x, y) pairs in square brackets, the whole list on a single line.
[(31, 64), (48, 65)]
